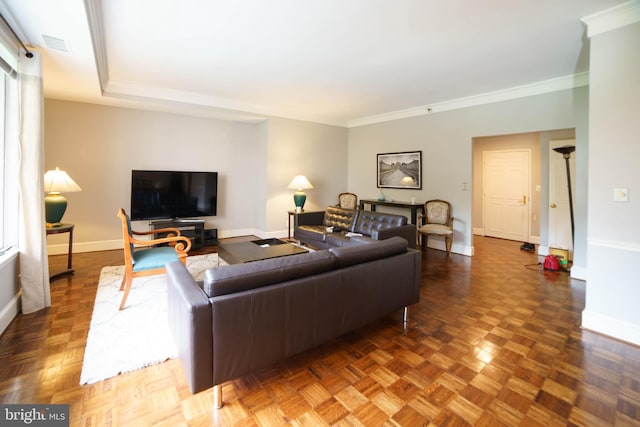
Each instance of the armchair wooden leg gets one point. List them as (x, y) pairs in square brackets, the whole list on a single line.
[(127, 288), (449, 242)]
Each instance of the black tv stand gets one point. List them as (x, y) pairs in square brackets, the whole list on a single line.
[(191, 228)]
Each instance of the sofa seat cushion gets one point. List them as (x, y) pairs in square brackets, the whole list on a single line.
[(357, 254), (307, 233), (339, 239), (361, 240), (368, 221), (234, 278), (339, 218)]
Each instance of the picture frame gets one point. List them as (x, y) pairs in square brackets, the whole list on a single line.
[(400, 170)]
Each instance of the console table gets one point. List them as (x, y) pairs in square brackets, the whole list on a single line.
[(414, 207), (63, 228)]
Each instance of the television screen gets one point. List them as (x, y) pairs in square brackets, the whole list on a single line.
[(173, 194)]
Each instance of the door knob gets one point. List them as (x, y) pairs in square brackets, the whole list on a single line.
[(524, 200), (553, 206)]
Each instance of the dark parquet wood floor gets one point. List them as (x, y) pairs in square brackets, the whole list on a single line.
[(494, 341)]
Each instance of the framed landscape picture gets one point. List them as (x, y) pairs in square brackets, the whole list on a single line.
[(400, 170)]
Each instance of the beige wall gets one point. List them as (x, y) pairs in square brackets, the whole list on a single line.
[(446, 142), (316, 151), (100, 145)]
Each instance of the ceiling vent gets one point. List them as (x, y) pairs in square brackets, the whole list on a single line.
[(55, 43)]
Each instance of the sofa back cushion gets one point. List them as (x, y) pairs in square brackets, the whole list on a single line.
[(351, 255), (371, 220), (229, 279), (343, 219)]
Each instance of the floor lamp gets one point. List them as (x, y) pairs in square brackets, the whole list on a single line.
[(566, 153)]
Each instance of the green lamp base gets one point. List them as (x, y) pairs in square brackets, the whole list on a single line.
[(298, 199), (54, 207)]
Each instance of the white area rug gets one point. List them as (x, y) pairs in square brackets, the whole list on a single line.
[(138, 336)]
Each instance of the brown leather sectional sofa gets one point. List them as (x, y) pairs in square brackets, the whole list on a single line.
[(332, 228), (244, 317)]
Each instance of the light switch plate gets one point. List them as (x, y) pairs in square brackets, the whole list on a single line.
[(620, 194)]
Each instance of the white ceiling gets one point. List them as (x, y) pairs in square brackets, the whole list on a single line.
[(341, 62)]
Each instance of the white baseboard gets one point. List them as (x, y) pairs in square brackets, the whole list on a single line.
[(579, 272), (103, 245), (9, 312), (456, 248), (108, 245), (612, 327), (240, 232), (478, 231)]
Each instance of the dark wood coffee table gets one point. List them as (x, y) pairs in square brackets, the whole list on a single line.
[(255, 250)]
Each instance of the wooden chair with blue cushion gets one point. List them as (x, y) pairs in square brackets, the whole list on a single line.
[(145, 257)]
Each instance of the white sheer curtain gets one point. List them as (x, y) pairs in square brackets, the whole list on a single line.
[(34, 264)]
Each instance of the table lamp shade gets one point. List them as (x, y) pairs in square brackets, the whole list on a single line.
[(55, 182), (299, 183)]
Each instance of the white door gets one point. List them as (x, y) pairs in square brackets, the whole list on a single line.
[(559, 209), (507, 178)]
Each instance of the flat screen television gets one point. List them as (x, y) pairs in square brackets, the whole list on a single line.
[(173, 194)]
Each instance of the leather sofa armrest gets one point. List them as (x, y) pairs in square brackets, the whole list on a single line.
[(309, 218), (189, 311), (407, 232)]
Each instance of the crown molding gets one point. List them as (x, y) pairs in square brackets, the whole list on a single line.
[(178, 101), (613, 18), (539, 88), (185, 102), (96, 29), (161, 99)]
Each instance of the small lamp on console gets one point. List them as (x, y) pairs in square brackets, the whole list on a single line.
[(55, 182), (407, 181), (299, 183)]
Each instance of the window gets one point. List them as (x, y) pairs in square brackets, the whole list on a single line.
[(8, 155), (2, 161)]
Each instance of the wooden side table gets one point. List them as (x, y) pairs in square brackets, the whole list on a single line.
[(63, 228), (290, 214), (294, 214)]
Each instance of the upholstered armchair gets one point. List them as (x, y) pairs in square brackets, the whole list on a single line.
[(145, 257), (347, 201), (435, 221)]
